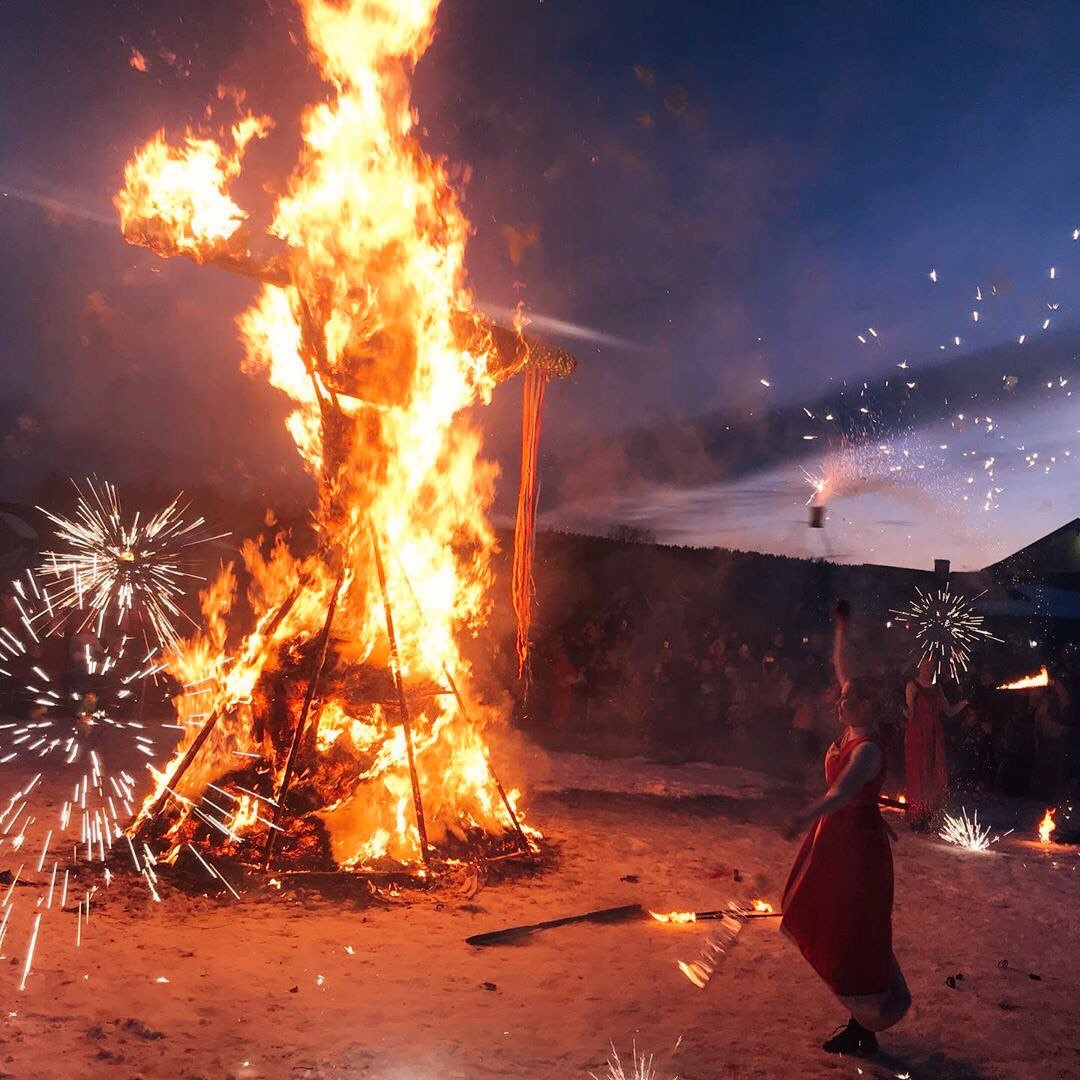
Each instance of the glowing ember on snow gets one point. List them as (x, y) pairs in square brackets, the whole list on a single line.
[(1046, 827), (1029, 682), (967, 833), (351, 680), (946, 628)]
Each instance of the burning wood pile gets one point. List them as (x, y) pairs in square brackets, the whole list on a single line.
[(342, 729)]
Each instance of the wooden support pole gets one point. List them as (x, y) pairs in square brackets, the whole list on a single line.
[(395, 664), (193, 749), (525, 846), (185, 763), (301, 723)]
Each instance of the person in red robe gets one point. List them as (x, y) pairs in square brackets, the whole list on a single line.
[(564, 677), (838, 900), (926, 773)]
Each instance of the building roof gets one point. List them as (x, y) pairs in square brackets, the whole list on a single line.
[(1054, 555)]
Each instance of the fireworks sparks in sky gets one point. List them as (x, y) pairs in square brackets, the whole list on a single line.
[(131, 573), (967, 833), (969, 470), (946, 628)]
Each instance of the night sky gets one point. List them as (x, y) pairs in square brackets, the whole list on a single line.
[(734, 192)]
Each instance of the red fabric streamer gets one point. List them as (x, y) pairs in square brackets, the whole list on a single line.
[(523, 585)]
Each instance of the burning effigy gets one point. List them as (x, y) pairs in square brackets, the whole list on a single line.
[(341, 728)]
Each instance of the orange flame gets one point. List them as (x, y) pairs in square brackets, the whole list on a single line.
[(763, 906), (175, 199), (674, 916), (1046, 827), (365, 323), (1029, 682)]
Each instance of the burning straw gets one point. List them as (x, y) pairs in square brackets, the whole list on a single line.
[(346, 711)]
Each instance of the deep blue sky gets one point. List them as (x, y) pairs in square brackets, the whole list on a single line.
[(740, 189)]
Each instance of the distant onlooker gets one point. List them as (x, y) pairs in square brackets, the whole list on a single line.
[(926, 772), (1051, 726), (564, 677), (804, 723), (975, 767)]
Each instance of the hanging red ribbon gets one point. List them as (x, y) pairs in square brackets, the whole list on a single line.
[(523, 585)]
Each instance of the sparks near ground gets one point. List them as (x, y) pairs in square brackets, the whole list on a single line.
[(967, 833), (349, 694), (89, 682), (79, 676)]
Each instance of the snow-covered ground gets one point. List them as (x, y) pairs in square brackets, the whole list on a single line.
[(639, 776), (301, 984)]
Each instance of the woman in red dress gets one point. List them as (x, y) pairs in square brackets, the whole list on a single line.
[(926, 773), (838, 900)]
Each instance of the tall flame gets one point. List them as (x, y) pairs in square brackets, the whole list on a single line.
[(365, 322), (1046, 827)]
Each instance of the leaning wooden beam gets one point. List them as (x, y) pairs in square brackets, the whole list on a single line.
[(395, 664), (185, 762), (526, 847), (170, 786), (301, 723), (513, 352)]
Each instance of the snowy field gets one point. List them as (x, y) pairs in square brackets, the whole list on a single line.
[(299, 983)]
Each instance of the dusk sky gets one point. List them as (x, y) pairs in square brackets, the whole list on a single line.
[(724, 193)]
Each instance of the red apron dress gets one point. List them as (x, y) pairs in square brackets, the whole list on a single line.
[(838, 900), (925, 772), (563, 677)]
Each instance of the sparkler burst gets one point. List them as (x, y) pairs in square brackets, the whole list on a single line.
[(639, 1067), (70, 695), (129, 573), (946, 628), (72, 698), (967, 833)]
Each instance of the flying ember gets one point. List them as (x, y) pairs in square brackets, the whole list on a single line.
[(344, 724)]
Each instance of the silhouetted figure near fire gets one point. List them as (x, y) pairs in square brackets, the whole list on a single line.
[(838, 899), (926, 772), (1051, 729), (564, 677)]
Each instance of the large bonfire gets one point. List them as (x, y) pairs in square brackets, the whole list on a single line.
[(349, 685)]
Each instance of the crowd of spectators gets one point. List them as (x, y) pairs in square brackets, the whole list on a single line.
[(634, 680)]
